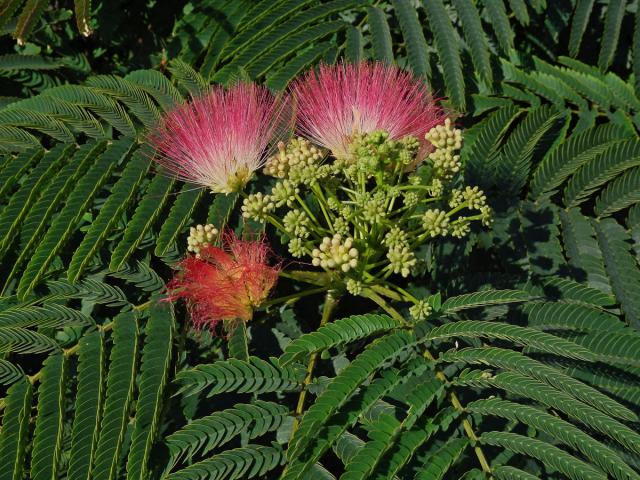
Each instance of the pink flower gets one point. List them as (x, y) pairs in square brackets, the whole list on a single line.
[(220, 139), (345, 99), (225, 283)]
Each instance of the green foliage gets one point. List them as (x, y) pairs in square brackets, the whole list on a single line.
[(526, 367)]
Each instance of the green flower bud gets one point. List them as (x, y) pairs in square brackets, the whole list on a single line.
[(297, 248), (284, 192), (334, 253), (299, 152), (457, 198), (257, 206), (374, 209), (420, 311), (341, 226), (475, 198), (354, 287), (487, 216), (296, 222), (435, 222), (460, 228), (200, 236), (411, 199), (396, 237), (334, 204), (401, 260)]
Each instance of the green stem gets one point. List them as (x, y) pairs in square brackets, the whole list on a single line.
[(453, 398), (294, 296), (330, 302)]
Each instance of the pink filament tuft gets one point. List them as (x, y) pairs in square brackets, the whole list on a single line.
[(341, 100), (219, 138)]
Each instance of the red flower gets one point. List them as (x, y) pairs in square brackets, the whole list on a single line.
[(225, 283)]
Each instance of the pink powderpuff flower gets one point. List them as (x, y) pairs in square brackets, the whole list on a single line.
[(225, 284), (341, 100), (221, 138)]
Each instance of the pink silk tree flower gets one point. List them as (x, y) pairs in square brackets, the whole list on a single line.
[(220, 139), (341, 100), (225, 284)]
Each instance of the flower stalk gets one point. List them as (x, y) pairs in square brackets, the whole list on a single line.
[(330, 302)]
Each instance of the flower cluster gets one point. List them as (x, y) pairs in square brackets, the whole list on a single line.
[(374, 175), (201, 237)]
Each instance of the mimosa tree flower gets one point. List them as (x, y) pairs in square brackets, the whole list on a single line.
[(220, 139), (225, 283), (340, 101)]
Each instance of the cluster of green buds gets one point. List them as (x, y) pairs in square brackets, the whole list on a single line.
[(201, 236), (362, 218)]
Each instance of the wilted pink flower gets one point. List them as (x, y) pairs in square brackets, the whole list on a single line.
[(225, 283), (219, 140), (344, 99)]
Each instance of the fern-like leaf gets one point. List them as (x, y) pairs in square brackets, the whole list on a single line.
[(120, 385), (156, 358), (88, 407)]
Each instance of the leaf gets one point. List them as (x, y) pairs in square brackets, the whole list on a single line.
[(16, 167), (560, 316), (186, 77), (561, 430), (508, 359), (442, 459), (156, 358), (520, 335), (15, 430), (304, 459), (380, 35), (623, 192), (147, 211), (354, 51), (179, 216), (583, 250), (447, 47), (240, 463), (264, 63), (48, 434), (20, 202), (88, 406), (204, 434), (9, 373), (611, 34), (110, 213), (559, 163), (38, 219), (120, 385), (26, 21), (255, 376), (579, 23), (83, 10), (47, 316), (514, 162), (344, 384), (497, 15), (600, 169), (546, 453), (65, 222), (621, 267), (339, 332), (483, 298), (476, 39), (415, 42), (238, 342)]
